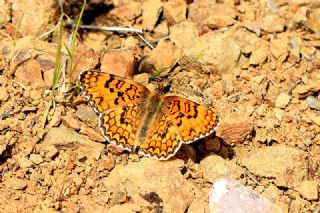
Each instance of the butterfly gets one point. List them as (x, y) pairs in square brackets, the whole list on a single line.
[(138, 120)]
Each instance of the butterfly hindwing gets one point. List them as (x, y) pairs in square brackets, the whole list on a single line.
[(119, 125), (162, 140)]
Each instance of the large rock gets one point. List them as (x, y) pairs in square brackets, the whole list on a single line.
[(151, 183), (211, 49), (23, 12), (64, 137), (286, 164)]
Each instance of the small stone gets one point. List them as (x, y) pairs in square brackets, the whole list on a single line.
[(151, 10), (175, 11), (91, 133), (279, 48), (48, 77), (215, 167), (36, 94), (223, 52), (118, 63), (128, 10), (313, 20), (36, 158), (314, 117), (282, 100), (45, 62), (161, 30), (15, 183), (56, 118), (29, 109), (114, 149), (24, 162), (108, 164), (259, 54), (69, 120), (86, 113), (164, 55), (272, 23), (313, 103), (219, 21), (4, 95), (29, 72), (208, 13), (142, 78), (52, 151), (308, 189), (130, 42), (86, 59), (95, 40), (278, 113), (262, 110), (234, 128)]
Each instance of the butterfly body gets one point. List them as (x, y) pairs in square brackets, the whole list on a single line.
[(136, 119)]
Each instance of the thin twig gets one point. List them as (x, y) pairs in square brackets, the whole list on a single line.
[(143, 39), (116, 29), (21, 85), (273, 83)]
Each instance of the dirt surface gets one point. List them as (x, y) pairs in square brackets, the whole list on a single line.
[(256, 63)]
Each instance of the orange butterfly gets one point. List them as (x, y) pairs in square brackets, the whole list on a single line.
[(136, 119)]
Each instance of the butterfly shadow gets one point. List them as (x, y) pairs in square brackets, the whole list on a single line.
[(204, 147)]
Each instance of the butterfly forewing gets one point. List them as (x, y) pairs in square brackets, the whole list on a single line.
[(106, 91), (192, 120)]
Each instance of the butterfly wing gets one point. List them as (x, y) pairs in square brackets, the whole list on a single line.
[(118, 102), (162, 140), (106, 91), (191, 120), (119, 125)]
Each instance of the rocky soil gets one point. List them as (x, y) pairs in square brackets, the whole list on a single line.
[(257, 63)]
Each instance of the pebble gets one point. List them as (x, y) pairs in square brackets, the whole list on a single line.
[(15, 183), (3, 94), (282, 100), (313, 103), (36, 158), (150, 13), (175, 11), (215, 167), (24, 162), (308, 189), (52, 151), (314, 118)]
